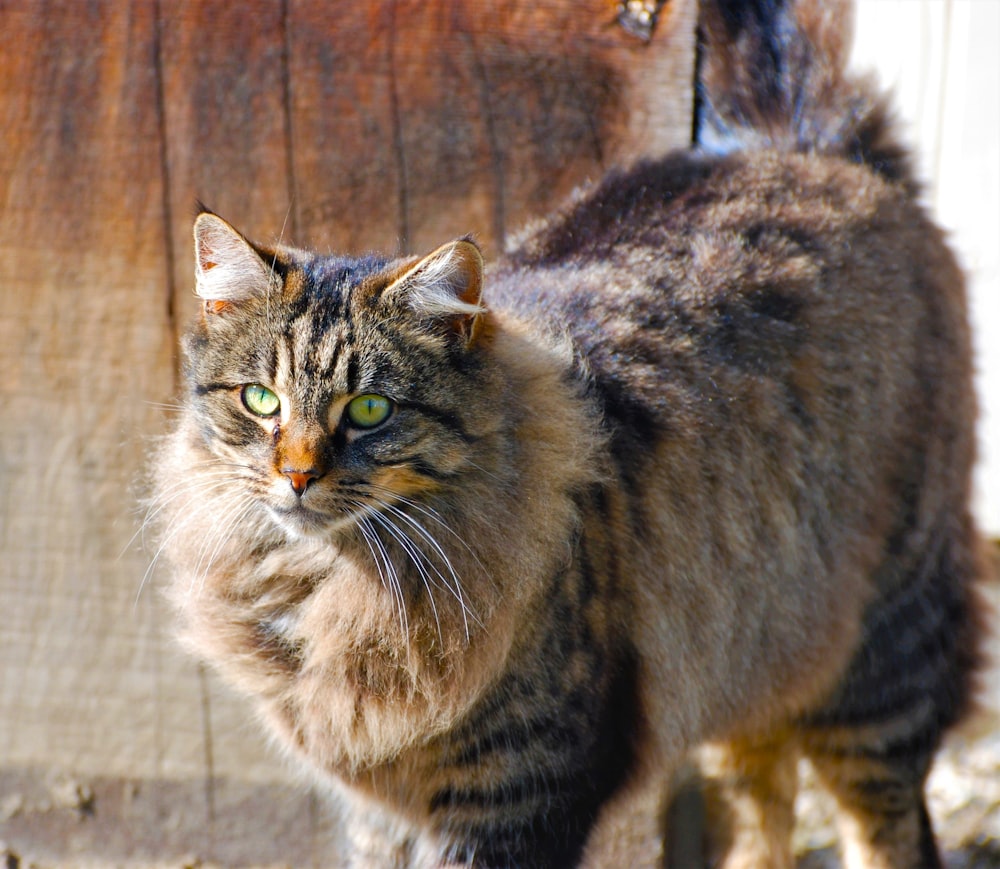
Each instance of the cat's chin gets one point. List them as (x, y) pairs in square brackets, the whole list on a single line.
[(300, 523)]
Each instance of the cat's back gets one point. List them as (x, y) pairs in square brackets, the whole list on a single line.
[(692, 283), (778, 346)]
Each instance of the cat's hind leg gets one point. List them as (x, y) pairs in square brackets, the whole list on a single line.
[(873, 742), (749, 790), (882, 817)]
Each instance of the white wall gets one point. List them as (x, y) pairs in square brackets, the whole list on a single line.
[(942, 60)]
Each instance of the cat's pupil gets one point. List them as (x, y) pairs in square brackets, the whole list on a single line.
[(260, 400), (368, 411)]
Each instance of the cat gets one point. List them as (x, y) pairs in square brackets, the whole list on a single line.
[(687, 468)]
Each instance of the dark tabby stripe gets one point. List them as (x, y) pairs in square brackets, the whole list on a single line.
[(446, 418), (559, 767), (546, 730), (206, 388), (416, 462)]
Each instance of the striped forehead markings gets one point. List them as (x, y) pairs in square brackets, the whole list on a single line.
[(308, 358), (328, 348)]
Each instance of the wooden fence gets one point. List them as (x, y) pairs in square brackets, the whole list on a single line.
[(387, 124)]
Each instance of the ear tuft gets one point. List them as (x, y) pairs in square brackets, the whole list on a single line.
[(227, 267), (447, 284)]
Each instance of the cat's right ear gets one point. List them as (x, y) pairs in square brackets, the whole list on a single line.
[(228, 269)]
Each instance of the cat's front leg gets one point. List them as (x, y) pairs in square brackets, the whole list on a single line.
[(630, 827), (374, 838)]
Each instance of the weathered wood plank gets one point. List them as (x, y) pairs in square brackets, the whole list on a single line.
[(224, 87), (85, 345), (415, 122)]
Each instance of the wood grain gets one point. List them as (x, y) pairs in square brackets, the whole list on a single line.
[(415, 122), (223, 73), (85, 345)]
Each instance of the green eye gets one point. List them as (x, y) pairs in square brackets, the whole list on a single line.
[(368, 411), (260, 400)]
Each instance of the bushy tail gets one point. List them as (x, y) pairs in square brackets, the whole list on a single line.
[(772, 74)]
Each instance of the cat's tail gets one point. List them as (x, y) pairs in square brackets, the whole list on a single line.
[(772, 74)]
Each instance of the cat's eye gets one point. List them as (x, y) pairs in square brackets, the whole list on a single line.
[(368, 411), (260, 400)]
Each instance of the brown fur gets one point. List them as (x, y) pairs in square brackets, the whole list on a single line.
[(691, 466)]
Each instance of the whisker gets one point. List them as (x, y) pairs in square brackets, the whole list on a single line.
[(489, 474), (274, 260), (393, 586), (223, 528), (433, 514), (419, 559), (362, 527), (175, 528), (219, 470), (195, 489), (383, 505), (163, 405), (456, 589)]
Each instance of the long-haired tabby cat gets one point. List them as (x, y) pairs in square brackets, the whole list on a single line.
[(689, 465)]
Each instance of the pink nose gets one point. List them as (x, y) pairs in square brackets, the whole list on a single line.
[(300, 480)]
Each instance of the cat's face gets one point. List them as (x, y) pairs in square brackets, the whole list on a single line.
[(330, 388)]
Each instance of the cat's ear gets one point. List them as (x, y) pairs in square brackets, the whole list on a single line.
[(446, 285), (228, 269)]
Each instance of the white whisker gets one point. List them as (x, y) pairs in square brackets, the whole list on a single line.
[(419, 560), (456, 588), (195, 490), (163, 405), (223, 528), (390, 576), (489, 474), (435, 516), (175, 527)]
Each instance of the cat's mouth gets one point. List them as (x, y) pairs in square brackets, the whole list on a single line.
[(319, 512), (299, 520)]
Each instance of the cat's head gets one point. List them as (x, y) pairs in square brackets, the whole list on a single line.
[(331, 387)]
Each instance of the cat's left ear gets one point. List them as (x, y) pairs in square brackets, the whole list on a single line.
[(446, 285)]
